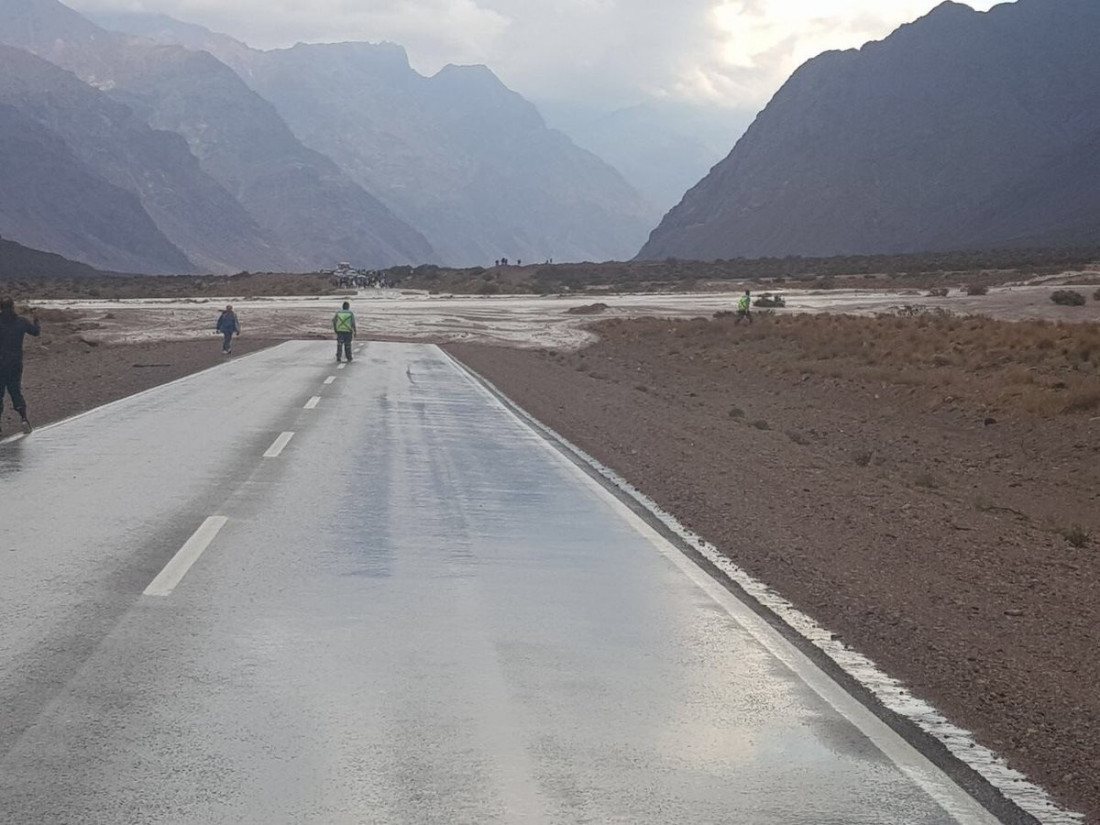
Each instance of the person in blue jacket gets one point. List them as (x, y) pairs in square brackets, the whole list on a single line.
[(228, 325)]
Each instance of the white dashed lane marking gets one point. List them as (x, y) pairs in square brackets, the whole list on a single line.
[(277, 447), (177, 568)]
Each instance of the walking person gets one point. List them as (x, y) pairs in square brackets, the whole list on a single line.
[(12, 329), (343, 324), (228, 326), (744, 308)]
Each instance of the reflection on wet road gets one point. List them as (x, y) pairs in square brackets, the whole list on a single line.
[(394, 605)]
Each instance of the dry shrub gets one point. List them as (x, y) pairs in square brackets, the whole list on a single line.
[(1068, 298), (1035, 366)]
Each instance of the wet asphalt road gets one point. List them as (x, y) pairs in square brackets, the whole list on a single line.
[(416, 612)]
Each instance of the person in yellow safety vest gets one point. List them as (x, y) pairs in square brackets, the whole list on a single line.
[(343, 324), (744, 308)]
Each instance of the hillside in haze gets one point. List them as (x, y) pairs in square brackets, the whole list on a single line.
[(961, 130), (662, 148), (18, 262), (458, 155), (256, 197)]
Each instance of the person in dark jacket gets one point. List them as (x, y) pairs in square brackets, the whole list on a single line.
[(12, 329), (228, 325)]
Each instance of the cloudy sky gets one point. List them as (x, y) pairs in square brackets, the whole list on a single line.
[(733, 53)]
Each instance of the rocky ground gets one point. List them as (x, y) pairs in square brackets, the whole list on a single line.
[(950, 531)]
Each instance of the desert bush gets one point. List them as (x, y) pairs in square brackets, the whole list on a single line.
[(1096, 295), (737, 412), (863, 457), (1068, 298), (938, 292), (1083, 401), (1077, 536), (760, 424), (977, 289)]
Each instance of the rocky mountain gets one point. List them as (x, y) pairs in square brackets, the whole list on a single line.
[(458, 155), (961, 130), (50, 199), (18, 262), (191, 210), (303, 208)]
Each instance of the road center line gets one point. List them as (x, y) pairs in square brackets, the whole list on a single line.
[(340, 366), (277, 447), (330, 379), (177, 568), (313, 402)]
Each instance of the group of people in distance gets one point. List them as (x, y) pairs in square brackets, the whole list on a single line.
[(14, 327), (343, 324)]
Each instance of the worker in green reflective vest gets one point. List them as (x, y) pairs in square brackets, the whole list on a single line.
[(343, 324), (744, 308)]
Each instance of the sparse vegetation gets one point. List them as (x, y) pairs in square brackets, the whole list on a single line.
[(863, 457), (760, 424), (797, 437), (1034, 366), (977, 289), (1076, 536), (737, 412), (1068, 298), (939, 292)]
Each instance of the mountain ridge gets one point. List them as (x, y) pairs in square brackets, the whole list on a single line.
[(905, 143), (457, 154)]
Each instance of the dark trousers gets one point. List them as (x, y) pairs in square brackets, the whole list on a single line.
[(228, 344), (743, 315), (11, 381), (343, 339)]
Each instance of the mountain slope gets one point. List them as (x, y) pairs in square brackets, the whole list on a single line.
[(923, 141), (458, 155), (49, 199), (18, 262), (188, 206), (300, 199)]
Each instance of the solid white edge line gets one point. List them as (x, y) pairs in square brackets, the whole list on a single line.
[(278, 445), (1015, 787), (313, 402), (185, 557), (330, 379)]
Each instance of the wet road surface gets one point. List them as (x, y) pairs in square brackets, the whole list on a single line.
[(280, 592)]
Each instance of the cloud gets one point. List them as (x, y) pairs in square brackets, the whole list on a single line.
[(733, 53)]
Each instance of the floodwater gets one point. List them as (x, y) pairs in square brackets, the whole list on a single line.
[(525, 321)]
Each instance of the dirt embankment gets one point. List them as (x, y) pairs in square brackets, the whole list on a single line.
[(928, 488)]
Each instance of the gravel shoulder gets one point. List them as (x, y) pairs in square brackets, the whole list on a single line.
[(927, 533)]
